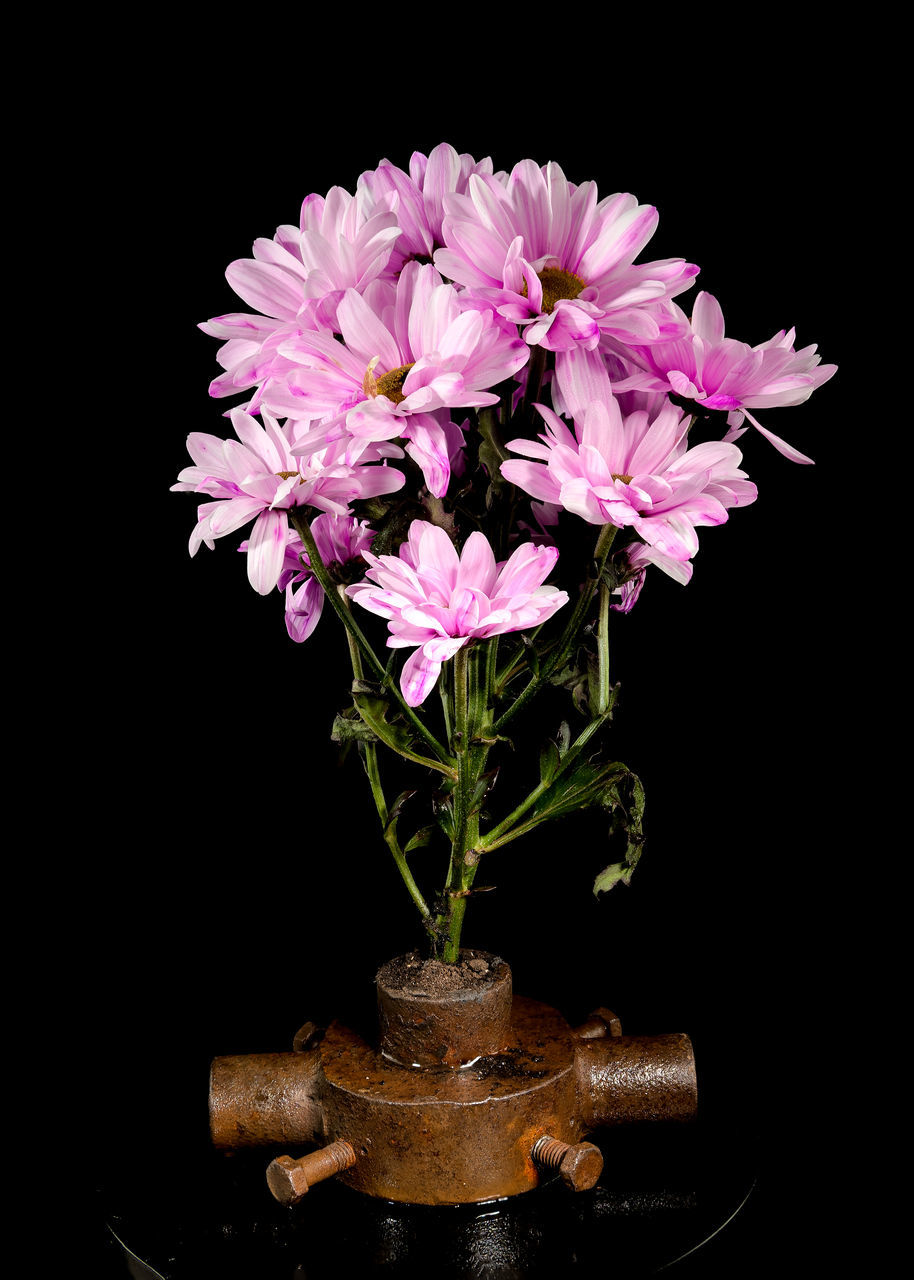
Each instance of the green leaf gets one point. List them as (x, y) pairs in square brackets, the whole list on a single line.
[(492, 453), (349, 726), (443, 809), (626, 818), (550, 757), (589, 783), (422, 838), (619, 872)]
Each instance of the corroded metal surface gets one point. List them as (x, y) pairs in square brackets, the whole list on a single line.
[(422, 1028), (290, 1180), (388, 1124), (258, 1099), (579, 1164), (632, 1079), (444, 1136)]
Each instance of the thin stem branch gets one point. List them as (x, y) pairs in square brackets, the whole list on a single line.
[(370, 757), (603, 649), (319, 569), (506, 831), (565, 644)]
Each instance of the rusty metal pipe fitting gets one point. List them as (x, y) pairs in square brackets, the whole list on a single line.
[(262, 1099), (632, 1079), (469, 1095), (422, 1026)]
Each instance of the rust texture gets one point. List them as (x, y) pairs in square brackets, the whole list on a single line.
[(492, 1108), (259, 1099), (424, 1028), (290, 1180), (446, 1136), (580, 1164), (632, 1079), (602, 1022)]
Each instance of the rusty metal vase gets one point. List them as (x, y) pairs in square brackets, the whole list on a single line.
[(468, 1095)]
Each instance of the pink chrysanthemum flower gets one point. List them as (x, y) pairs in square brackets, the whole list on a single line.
[(639, 557), (721, 373), (257, 477), (439, 600), (634, 473), (340, 540), (407, 356), (420, 195), (547, 254), (296, 280)]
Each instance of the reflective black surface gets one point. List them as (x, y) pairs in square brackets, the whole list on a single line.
[(664, 1193)]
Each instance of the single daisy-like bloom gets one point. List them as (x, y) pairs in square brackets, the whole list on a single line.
[(420, 195), (340, 540), (547, 254), (257, 477), (634, 473), (407, 357), (439, 601), (721, 373), (296, 280)]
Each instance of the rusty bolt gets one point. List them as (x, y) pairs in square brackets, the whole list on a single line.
[(289, 1180), (307, 1037), (601, 1023), (580, 1164)]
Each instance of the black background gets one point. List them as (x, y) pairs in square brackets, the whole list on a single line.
[(237, 883)]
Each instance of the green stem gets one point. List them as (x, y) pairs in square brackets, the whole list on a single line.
[(565, 644), (504, 832), (603, 649), (535, 370), (370, 757), (320, 571), (472, 698)]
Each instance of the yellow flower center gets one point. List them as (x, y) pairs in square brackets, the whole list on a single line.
[(557, 283), (390, 384), (624, 479), (286, 475)]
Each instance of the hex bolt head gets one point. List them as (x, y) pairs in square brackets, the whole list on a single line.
[(580, 1163), (287, 1180), (581, 1166), (290, 1180)]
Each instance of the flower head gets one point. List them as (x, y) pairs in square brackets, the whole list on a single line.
[(438, 600), (721, 373), (296, 280), (633, 472), (420, 194), (406, 356), (257, 477), (548, 254), (340, 540)]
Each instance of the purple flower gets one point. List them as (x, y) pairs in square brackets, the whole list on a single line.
[(639, 557), (340, 540), (439, 600), (721, 373), (633, 472), (548, 254), (257, 477), (407, 355), (420, 194), (296, 280)]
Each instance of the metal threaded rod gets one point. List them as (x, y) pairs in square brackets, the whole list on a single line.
[(549, 1151), (289, 1180)]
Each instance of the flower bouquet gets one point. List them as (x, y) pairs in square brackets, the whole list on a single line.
[(467, 411)]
